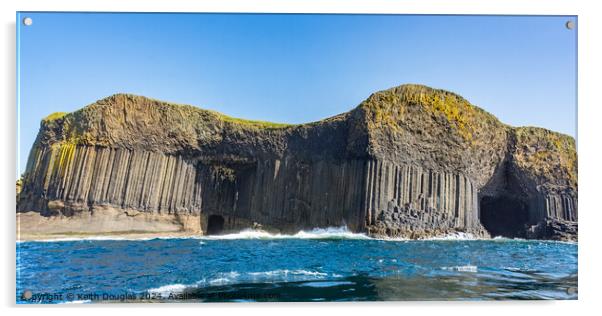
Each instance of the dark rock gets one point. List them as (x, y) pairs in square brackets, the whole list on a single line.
[(426, 155)]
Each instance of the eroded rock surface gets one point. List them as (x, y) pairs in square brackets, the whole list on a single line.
[(410, 161)]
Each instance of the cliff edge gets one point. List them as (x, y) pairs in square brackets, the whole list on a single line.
[(410, 161)]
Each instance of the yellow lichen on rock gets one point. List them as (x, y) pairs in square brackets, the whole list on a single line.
[(388, 108), (66, 153), (546, 154), (456, 110), (385, 110)]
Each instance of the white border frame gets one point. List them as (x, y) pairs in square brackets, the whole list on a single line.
[(589, 128)]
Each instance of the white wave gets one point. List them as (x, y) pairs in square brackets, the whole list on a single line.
[(466, 268), (228, 278), (502, 238), (280, 275), (223, 279), (246, 234), (316, 233), (454, 236), (175, 237), (568, 242), (167, 290), (286, 272), (330, 232), (382, 238), (451, 236)]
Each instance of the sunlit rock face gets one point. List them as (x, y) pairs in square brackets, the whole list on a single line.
[(410, 161)]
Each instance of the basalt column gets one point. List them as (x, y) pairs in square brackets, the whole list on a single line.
[(65, 178), (408, 201)]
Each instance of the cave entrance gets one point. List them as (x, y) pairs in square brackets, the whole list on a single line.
[(504, 216), (215, 225)]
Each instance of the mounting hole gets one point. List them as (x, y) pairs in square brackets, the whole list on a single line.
[(27, 21), (570, 25)]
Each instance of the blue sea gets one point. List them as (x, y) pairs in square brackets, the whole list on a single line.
[(320, 265)]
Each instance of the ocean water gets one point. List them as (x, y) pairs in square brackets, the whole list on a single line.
[(321, 265)]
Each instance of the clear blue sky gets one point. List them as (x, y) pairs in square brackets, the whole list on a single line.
[(295, 68)]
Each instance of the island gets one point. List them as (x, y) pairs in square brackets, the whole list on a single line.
[(408, 162)]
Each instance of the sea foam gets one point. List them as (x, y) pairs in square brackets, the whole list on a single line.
[(233, 277), (465, 268), (316, 233), (454, 236), (166, 290)]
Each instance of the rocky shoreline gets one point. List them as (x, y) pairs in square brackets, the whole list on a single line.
[(32, 226)]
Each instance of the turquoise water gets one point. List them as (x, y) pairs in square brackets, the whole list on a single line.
[(305, 267)]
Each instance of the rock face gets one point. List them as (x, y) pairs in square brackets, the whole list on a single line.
[(410, 161)]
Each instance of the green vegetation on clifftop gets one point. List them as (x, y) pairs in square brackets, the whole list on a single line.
[(54, 116), (252, 123)]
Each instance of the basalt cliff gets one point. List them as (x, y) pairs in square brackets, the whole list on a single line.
[(410, 161)]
